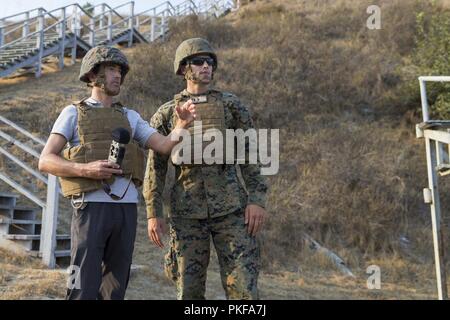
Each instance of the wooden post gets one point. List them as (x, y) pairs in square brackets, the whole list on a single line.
[(62, 35), (40, 43), (130, 24), (49, 222)]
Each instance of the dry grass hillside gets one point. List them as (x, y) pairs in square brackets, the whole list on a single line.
[(351, 170)]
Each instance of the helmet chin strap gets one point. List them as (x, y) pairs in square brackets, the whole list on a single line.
[(190, 75)]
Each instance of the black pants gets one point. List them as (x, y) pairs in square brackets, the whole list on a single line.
[(103, 237)]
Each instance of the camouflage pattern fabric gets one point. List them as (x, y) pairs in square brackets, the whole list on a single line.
[(187, 261), (191, 47), (103, 54), (203, 191)]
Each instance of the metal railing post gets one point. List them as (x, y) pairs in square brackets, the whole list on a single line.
[(74, 32), (430, 146), (2, 34), (110, 27), (102, 16), (40, 43), (62, 35), (153, 29), (436, 155), (92, 32), (26, 25), (130, 24), (423, 97), (163, 26), (49, 222), (137, 22)]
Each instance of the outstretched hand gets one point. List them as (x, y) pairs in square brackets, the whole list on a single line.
[(186, 113)]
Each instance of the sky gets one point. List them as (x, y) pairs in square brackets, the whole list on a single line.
[(10, 7)]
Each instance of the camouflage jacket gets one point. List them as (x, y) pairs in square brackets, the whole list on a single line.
[(203, 191)]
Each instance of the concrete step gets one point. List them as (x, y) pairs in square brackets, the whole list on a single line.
[(8, 195), (8, 199), (62, 256), (32, 242), (18, 222), (33, 237), (20, 213), (62, 253)]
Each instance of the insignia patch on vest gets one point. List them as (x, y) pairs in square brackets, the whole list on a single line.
[(199, 99)]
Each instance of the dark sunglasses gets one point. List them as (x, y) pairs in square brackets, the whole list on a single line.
[(199, 61)]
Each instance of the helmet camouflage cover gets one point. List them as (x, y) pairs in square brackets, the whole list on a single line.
[(99, 55), (191, 47)]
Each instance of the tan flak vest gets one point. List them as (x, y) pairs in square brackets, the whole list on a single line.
[(95, 126), (210, 116)]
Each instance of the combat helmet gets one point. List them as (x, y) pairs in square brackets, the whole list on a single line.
[(103, 54), (191, 47)]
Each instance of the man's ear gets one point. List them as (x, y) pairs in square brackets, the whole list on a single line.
[(91, 76), (183, 69)]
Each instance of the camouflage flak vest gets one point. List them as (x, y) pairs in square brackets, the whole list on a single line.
[(210, 117)]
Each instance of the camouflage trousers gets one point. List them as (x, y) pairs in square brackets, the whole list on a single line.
[(187, 261)]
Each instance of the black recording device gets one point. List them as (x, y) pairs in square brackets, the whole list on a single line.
[(120, 137)]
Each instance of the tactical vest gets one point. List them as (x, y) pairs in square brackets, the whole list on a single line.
[(95, 126), (210, 116)]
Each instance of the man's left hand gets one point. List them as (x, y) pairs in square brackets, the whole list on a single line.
[(254, 218)]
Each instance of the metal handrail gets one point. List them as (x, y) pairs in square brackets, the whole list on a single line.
[(29, 35), (22, 131), (21, 13), (122, 5), (152, 9), (71, 5), (110, 10), (45, 12), (32, 21), (23, 165), (112, 25)]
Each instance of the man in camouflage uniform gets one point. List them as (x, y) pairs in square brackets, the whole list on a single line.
[(207, 200), (103, 193)]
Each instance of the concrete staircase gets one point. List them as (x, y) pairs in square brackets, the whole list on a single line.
[(20, 230)]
